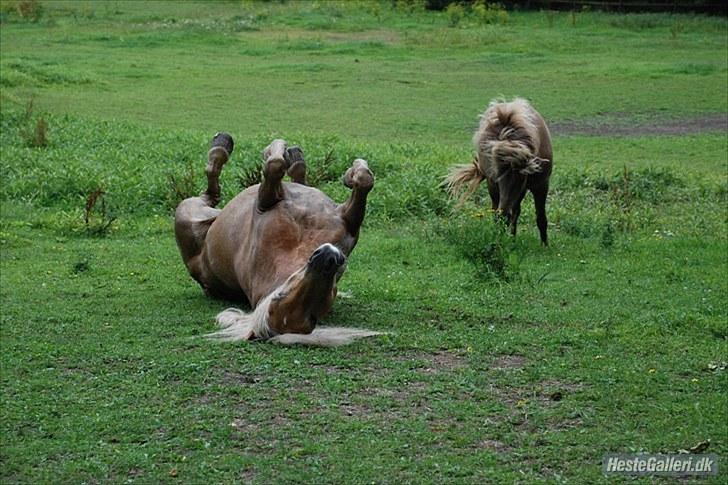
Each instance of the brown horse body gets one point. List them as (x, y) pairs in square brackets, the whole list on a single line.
[(280, 246), (513, 155)]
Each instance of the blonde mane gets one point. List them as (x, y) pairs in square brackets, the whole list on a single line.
[(236, 325), (507, 138)]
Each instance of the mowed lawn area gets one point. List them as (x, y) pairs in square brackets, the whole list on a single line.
[(505, 361)]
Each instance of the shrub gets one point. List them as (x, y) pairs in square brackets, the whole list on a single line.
[(30, 9), (485, 242), (489, 13), (455, 13)]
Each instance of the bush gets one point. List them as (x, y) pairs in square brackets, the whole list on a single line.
[(455, 13), (489, 13), (485, 242)]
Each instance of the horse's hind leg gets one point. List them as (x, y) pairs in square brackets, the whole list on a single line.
[(361, 180), (539, 200), (296, 165), (271, 190), (494, 194), (220, 150), (195, 215)]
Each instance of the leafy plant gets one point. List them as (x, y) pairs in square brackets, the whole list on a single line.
[(455, 13), (481, 237), (97, 220), (34, 131), (489, 13)]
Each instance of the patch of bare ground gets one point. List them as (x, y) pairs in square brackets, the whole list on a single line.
[(435, 363), (248, 475), (493, 445), (229, 378), (546, 393), (621, 124), (508, 362)]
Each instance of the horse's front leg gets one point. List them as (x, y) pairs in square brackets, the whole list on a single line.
[(296, 165), (271, 190), (361, 180)]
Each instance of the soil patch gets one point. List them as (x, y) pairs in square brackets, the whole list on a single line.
[(508, 362), (620, 124)]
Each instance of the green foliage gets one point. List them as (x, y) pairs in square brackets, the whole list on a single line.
[(455, 13), (484, 240), (623, 317), (21, 11), (32, 130), (489, 13)]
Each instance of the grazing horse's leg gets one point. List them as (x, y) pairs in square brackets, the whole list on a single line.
[(195, 215), (494, 194), (271, 189), (539, 200), (516, 213), (296, 165), (361, 180)]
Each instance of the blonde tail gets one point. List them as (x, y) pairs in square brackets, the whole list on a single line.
[(463, 180)]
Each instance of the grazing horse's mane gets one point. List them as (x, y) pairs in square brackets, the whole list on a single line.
[(507, 138)]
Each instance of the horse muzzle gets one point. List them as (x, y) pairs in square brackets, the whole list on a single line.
[(326, 259)]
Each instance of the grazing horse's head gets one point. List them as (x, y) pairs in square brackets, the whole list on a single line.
[(511, 164), (308, 294), (508, 146)]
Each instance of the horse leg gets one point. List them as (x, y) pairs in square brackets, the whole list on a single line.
[(222, 147), (361, 180), (516, 212), (271, 191), (539, 200), (494, 194), (296, 165), (194, 216)]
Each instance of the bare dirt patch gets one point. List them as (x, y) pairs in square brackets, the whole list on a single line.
[(508, 362), (440, 361), (231, 378), (621, 124), (493, 445)]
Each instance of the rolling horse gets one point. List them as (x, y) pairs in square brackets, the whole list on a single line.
[(278, 246), (513, 155)]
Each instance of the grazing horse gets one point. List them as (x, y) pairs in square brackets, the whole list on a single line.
[(281, 247), (513, 155)]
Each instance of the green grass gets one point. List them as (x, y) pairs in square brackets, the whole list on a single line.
[(507, 362), (386, 75)]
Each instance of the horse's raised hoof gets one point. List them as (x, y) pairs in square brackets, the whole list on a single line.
[(359, 175), (223, 140), (296, 164)]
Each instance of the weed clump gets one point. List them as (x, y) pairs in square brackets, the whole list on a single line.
[(34, 132), (484, 242), (489, 13), (183, 185), (97, 222)]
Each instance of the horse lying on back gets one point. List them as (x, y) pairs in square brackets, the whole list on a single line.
[(281, 247), (513, 155)]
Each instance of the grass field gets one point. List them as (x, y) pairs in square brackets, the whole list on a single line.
[(506, 362)]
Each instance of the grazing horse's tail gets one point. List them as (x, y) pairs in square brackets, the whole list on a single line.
[(463, 180)]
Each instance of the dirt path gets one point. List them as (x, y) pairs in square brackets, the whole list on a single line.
[(622, 125)]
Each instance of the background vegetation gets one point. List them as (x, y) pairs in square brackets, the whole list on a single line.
[(506, 362)]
